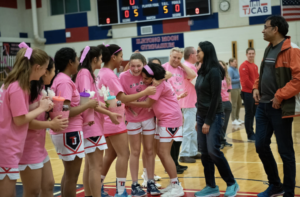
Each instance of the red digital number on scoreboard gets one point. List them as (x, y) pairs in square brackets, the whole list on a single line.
[(197, 10), (126, 13), (131, 2), (177, 8), (108, 21)]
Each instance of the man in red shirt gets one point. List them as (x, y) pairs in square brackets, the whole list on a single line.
[(248, 75)]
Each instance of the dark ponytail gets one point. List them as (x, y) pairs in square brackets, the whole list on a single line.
[(37, 86), (87, 62), (108, 51)]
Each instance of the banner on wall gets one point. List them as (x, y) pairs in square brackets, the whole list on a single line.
[(255, 8), (157, 42), (11, 48)]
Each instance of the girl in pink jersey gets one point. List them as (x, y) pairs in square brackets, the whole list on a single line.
[(35, 167), (94, 140), (140, 127), (69, 143), (169, 123), (15, 116), (117, 139)]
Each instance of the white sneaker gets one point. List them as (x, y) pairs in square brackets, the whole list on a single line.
[(167, 189), (176, 191), (242, 122), (236, 122), (157, 178)]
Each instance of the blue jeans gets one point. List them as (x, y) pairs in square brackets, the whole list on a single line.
[(269, 121), (250, 109), (189, 141), (209, 145)]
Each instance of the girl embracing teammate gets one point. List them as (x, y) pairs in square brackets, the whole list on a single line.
[(94, 139), (141, 127), (116, 135), (69, 143), (169, 120), (15, 116)]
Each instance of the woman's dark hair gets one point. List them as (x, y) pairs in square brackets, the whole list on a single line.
[(151, 60), (108, 51), (158, 71), (280, 22), (37, 86), (94, 52), (210, 59), (62, 58)]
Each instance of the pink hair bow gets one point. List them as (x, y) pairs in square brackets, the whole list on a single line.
[(84, 53), (106, 45), (28, 49)]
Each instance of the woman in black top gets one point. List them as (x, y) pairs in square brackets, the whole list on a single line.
[(210, 118)]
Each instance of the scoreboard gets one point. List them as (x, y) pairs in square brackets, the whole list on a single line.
[(113, 12)]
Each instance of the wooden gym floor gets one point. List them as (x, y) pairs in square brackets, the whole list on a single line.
[(242, 157)]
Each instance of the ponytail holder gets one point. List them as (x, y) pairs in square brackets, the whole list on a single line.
[(28, 49), (149, 70), (84, 53), (106, 45)]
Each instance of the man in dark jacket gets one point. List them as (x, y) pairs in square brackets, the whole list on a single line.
[(277, 91)]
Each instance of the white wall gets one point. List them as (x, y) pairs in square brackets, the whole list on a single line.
[(221, 38), (232, 28)]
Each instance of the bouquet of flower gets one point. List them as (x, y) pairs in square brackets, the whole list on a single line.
[(104, 92)]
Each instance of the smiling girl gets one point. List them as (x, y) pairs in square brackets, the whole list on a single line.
[(141, 126), (15, 116)]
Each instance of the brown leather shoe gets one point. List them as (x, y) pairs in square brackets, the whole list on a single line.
[(187, 160), (198, 156)]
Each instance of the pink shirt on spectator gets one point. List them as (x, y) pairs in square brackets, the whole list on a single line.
[(85, 81), (65, 87), (14, 102), (132, 85), (166, 107), (34, 150), (177, 80), (109, 79), (191, 99), (224, 90)]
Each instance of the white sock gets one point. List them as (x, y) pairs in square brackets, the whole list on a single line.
[(121, 185), (175, 181), (102, 178), (145, 174)]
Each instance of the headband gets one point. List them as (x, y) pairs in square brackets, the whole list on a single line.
[(84, 53), (149, 70), (28, 49), (120, 49)]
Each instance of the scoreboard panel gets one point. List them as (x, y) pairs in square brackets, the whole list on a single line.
[(113, 12)]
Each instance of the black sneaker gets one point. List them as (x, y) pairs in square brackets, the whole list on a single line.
[(228, 144), (272, 191), (179, 170), (251, 139), (183, 167), (136, 190), (152, 189)]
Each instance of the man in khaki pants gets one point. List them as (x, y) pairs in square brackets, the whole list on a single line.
[(235, 92)]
